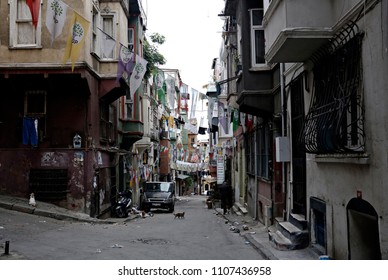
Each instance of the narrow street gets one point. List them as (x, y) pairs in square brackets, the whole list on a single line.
[(200, 235)]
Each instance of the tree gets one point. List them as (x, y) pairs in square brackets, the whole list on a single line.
[(152, 54)]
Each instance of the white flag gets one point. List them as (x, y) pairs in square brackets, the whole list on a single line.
[(137, 75), (170, 84), (195, 95), (107, 44), (55, 17)]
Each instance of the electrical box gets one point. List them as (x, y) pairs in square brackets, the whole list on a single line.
[(282, 145)]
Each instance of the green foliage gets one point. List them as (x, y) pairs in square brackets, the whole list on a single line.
[(152, 54)]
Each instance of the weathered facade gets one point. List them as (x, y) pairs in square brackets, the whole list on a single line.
[(250, 88), (58, 124), (307, 151), (334, 64)]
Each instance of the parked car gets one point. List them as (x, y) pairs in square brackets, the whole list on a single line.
[(158, 195)]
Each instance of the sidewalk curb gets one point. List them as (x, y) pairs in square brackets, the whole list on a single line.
[(23, 207), (266, 254)]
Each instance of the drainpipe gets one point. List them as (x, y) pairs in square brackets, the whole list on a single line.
[(283, 100), (255, 192)]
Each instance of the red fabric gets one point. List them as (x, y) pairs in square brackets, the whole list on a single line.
[(249, 122), (34, 6)]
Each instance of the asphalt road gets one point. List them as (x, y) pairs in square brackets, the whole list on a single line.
[(201, 235)]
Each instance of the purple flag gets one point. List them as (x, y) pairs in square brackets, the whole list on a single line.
[(126, 63)]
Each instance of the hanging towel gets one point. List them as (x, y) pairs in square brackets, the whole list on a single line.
[(30, 131)]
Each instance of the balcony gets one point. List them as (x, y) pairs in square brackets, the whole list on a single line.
[(295, 29), (131, 131)]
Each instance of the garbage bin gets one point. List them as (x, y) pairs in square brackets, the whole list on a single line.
[(209, 204)]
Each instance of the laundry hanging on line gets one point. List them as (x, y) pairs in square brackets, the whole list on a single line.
[(30, 131)]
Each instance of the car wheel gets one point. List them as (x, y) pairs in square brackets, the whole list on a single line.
[(171, 209)]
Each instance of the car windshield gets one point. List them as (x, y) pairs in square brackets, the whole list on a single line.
[(158, 187)]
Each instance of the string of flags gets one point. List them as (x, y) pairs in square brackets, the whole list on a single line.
[(56, 14)]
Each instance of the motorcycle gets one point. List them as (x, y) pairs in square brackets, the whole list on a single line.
[(123, 205)]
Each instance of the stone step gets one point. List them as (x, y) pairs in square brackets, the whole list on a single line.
[(298, 220), (299, 237), (286, 236), (241, 208), (278, 240)]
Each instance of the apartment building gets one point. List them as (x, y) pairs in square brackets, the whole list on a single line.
[(60, 89)]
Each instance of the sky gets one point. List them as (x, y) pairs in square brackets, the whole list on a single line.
[(193, 36)]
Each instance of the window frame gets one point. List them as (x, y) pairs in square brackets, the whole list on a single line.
[(131, 39), (98, 24), (254, 28), (41, 116), (95, 44), (112, 16), (13, 27), (108, 123)]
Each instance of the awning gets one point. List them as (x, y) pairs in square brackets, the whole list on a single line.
[(182, 177), (210, 180)]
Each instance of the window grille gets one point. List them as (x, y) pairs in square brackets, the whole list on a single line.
[(334, 123), (49, 184)]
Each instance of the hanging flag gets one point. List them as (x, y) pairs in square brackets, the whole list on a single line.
[(107, 43), (195, 95), (55, 17), (137, 75), (222, 118), (235, 119), (126, 62), (161, 87), (202, 129), (34, 6), (170, 86), (78, 30)]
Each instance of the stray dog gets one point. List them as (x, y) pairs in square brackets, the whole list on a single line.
[(179, 215), (32, 201)]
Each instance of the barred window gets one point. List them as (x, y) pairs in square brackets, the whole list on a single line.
[(334, 123)]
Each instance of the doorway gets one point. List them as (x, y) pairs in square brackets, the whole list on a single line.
[(363, 231), (298, 151)]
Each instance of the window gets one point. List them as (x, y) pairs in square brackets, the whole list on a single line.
[(334, 123), (35, 108), (128, 110), (257, 37), (103, 34), (106, 42), (49, 184), (22, 32), (107, 122), (263, 151), (131, 39), (95, 25)]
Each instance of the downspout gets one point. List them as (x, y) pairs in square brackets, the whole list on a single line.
[(256, 177), (283, 101)]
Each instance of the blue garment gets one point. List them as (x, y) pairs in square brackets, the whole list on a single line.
[(30, 135)]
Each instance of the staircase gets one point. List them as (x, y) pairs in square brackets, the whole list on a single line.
[(239, 210), (289, 235)]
